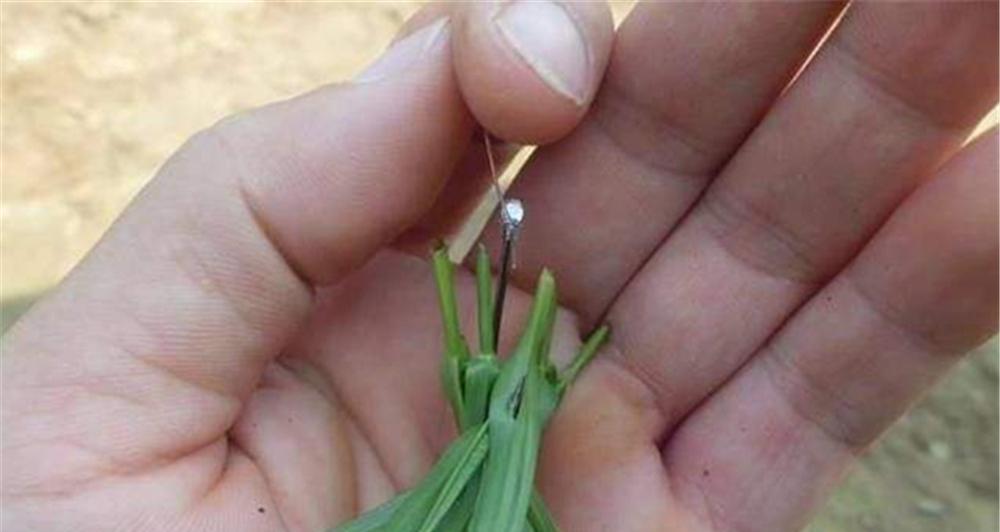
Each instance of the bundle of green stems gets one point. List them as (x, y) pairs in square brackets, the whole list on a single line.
[(484, 481)]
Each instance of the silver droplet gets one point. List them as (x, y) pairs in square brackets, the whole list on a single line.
[(513, 212)]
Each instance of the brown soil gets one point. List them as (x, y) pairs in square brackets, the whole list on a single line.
[(95, 96)]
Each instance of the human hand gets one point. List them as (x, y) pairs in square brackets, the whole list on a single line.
[(243, 352)]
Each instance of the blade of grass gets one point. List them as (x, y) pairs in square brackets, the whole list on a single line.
[(515, 425), (484, 300), (583, 357), (457, 518), (480, 374), (455, 467), (515, 402), (457, 481), (545, 343), (456, 351), (549, 398), (506, 488)]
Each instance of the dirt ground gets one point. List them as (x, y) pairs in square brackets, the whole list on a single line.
[(95, 96)]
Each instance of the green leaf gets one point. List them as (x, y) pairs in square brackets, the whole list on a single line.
[(456, 351), (484, 480), (480, 374), (457, 481), (509, 384), (548, 400), (451, 381), (484, 300), (439, 489), (545, 343), (583, 357), (515, 424), (457, 518)]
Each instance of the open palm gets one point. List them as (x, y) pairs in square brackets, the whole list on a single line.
[(785, 266)]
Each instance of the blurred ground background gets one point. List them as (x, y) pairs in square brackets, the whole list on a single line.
[(95, 96)]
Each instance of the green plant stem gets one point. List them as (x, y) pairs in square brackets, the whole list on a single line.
[(583, 357), (484, 300), (439, 490), (457, 481), (456, 352), (480, 374), (484, 481), (515, 425)]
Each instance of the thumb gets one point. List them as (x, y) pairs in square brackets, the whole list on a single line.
[(149, 347), (335, 174)]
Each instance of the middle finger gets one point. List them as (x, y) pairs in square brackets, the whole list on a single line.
[(685, 85), (892, 94)]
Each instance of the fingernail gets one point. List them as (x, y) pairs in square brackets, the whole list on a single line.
[(548, 39), (406, 52)]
